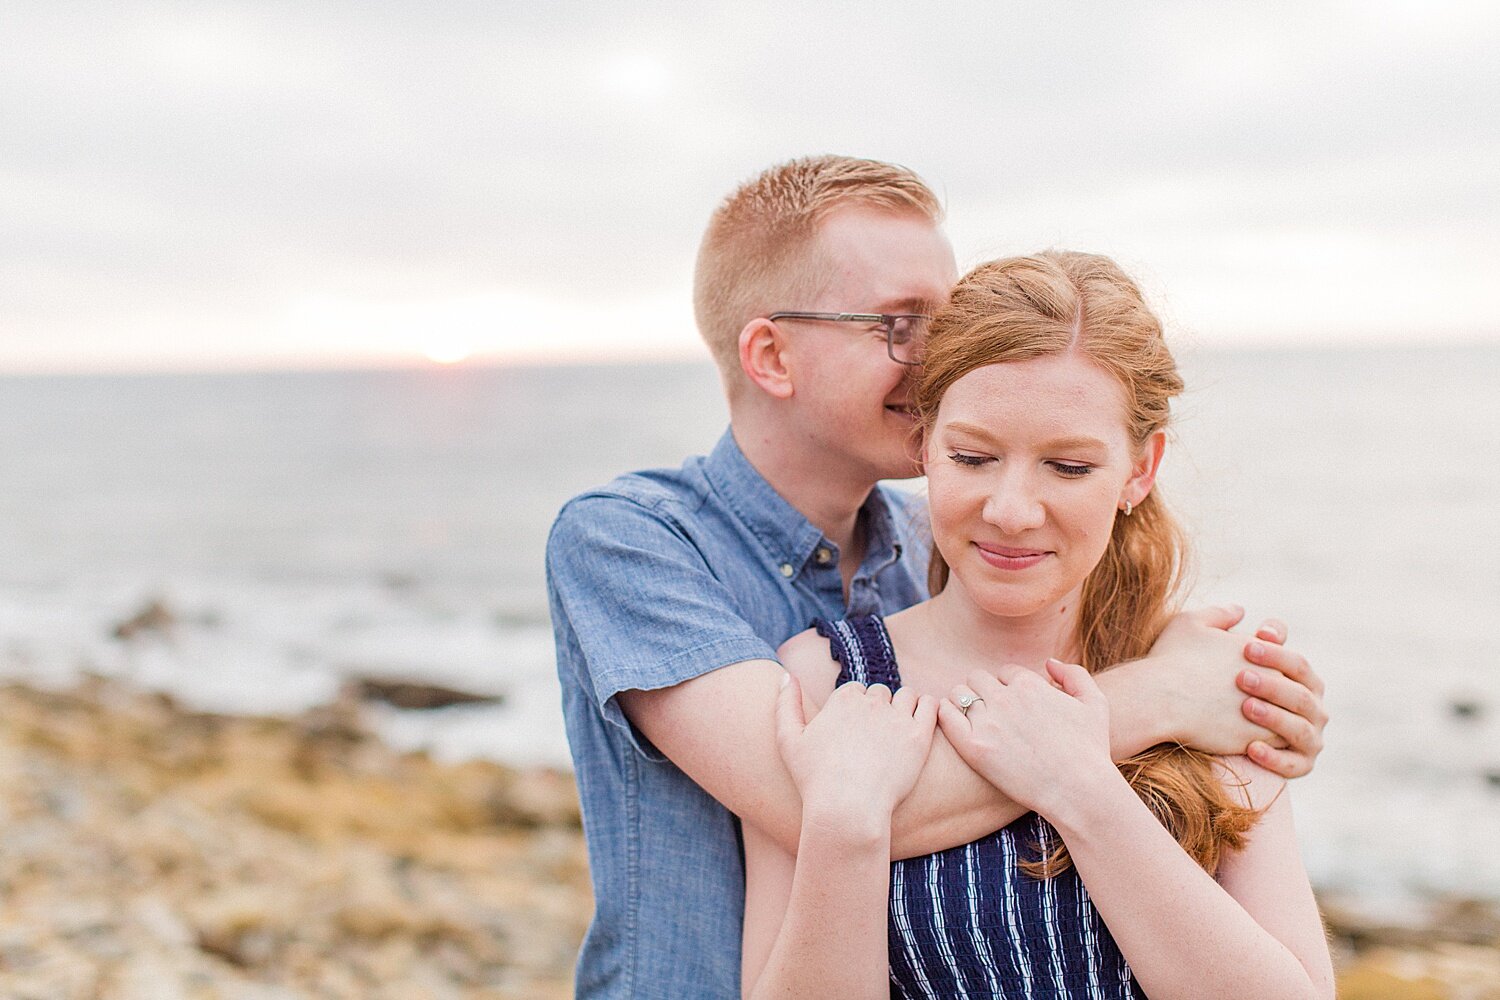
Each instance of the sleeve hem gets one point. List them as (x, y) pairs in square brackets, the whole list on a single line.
[(676, 669)]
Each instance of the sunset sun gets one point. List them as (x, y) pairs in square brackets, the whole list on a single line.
[(446, 354)]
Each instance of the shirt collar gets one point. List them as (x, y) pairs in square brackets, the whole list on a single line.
[(788, 537)]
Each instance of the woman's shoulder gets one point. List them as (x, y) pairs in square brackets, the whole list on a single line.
[(1250, 784), (804, 646), (808, 656)]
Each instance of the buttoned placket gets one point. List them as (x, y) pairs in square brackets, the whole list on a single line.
[(864, 589), (822, 572), (816, 574), (824, 568)]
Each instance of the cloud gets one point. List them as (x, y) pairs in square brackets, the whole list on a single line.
[(215, 164)]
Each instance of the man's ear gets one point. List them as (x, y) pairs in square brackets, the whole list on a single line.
[(1143, 475), (763, 358)]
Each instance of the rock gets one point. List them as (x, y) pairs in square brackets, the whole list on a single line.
[(155, 616), (145, 846), (508, 619), (1367, 981), (149, 976), (414, 695), (1445, 972), (1466, 708), (1468, 921), (161, 922)]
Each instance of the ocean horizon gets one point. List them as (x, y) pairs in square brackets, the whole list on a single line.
[(302, 528)]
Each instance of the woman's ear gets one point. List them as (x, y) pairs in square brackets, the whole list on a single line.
[(763, 358), (1143, 474)]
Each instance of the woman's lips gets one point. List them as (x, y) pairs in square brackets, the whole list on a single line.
[(1007, 557)]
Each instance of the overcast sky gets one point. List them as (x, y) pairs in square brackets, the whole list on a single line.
[(220, 185)]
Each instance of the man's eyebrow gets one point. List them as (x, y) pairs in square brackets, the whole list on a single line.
[(924, 307), (1069, 443)]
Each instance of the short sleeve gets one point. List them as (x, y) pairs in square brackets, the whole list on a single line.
[(639, 604)]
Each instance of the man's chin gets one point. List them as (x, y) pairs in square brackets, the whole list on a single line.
[(904, 469)]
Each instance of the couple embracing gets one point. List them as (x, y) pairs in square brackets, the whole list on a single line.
[(833, 740)]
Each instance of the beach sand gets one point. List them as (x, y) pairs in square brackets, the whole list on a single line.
[(153, 853)]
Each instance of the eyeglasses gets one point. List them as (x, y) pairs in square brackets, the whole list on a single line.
[(905, 333)]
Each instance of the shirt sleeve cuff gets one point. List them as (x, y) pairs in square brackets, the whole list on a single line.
[(676, 669)]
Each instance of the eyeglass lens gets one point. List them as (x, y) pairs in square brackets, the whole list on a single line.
[(907, 335)]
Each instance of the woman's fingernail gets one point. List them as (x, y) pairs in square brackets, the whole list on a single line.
[(1251, 681), (1257, 649)]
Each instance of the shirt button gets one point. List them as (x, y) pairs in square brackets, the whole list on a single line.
[(823, 556), (787, 570)]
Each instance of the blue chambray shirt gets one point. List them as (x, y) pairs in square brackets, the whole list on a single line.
[(657, 578)]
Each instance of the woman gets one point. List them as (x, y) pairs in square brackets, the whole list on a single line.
[(1043, 404)]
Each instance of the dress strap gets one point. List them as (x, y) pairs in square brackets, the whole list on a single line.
[(862, 647)]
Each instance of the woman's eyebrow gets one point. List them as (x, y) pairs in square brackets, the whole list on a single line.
[(1081, 442), (1077, 442), (974, 430)]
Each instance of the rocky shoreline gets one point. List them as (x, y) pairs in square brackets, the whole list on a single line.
[(148, 852), (151, 853)]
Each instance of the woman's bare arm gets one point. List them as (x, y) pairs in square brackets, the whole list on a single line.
[(1254, 933), (815, 923), (1184, 934)]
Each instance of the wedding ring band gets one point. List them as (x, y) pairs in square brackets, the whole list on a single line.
[(968, 701)]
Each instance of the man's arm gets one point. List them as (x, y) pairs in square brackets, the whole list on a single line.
[(669, 658), (719, 729)]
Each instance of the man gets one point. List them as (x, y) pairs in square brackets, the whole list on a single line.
[(670, 590)]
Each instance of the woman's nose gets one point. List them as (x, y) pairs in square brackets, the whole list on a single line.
[(1014, 506)]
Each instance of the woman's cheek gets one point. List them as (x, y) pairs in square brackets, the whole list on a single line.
[(947, 503), (1093, 515)]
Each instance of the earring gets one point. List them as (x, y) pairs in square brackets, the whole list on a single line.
[(1127, 508)]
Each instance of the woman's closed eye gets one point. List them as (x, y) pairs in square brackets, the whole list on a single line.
[(963, 458), (1069, 470)]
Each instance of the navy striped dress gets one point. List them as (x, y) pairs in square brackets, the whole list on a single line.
[(968, 922)]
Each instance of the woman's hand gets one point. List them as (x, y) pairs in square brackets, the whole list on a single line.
[(862, 752), (1043, 740)]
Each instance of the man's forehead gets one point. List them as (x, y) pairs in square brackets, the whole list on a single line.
[(895, 262), (863, 223)]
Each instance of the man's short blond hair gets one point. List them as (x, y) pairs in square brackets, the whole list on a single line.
[(758, 253)]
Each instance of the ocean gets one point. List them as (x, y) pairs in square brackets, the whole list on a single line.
[(298, 529)]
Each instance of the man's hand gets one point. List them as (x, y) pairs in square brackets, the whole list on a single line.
[(1286, 698), (1198, 673)]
